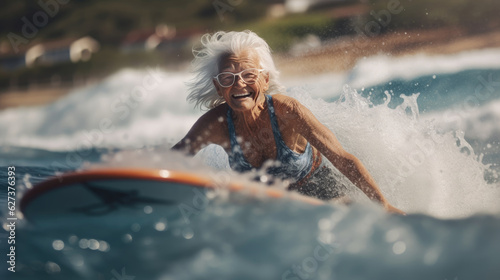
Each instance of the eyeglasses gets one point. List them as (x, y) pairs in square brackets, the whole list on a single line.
[(248, 76)]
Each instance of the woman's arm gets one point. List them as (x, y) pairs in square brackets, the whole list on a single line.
[(206, 130), (325, 141)]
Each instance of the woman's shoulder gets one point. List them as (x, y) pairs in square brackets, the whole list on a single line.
[(219, 109), (212, 126), (216, 116), (284, 103), (289, 109)]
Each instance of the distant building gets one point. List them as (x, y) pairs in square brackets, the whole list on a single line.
[(184, 39), (163, 38), (51, 52), (61, 51), (12, 62), (146, 40), (300, 6)]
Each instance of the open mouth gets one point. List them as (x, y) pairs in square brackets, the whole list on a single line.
[(241, 95)]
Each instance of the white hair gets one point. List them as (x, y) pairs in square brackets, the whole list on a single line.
[(205, 65)]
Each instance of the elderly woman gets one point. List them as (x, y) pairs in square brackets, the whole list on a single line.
[(237, 80)]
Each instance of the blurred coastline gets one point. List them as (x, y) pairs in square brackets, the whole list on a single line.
[(48, 49), (342, 55), (339, 55)]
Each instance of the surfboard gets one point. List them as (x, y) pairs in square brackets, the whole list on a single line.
[(125, 193), (105, 223)]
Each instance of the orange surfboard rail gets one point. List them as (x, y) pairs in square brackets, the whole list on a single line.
[(155, 175)]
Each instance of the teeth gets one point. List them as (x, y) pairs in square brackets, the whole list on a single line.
[(240, 95)]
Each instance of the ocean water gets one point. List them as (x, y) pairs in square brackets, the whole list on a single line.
[(426, 127)]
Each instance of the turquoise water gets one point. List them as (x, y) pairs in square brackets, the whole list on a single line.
[(428, 130)]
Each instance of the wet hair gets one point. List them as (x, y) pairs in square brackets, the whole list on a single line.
[(205, 65)]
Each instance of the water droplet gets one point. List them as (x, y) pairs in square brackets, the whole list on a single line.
[(52, 267), (19, 214), (164, 173), (148, 209), (104, 246), (135, 227), (160, 226), (127, 238), (26, 181), (83, 243), (73, 239), (93, 244), (187, 233), (58, 245), (399, 247), (263, 179), (392, 235), (211, 194)]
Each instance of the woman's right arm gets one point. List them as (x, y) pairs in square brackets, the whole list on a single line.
[(206, 130)]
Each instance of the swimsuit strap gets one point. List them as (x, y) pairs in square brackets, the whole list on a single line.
[(274, 125), (293, 165), (282, 148), (237, 160)]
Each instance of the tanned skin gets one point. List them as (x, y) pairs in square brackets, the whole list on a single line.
[(252, 123)]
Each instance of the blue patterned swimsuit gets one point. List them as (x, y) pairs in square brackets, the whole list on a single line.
[(310, 172), (291, 165)]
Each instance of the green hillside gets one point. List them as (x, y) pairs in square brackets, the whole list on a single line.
[(109, 21)]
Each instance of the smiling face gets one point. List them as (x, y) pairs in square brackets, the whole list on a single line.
[(241, 96)]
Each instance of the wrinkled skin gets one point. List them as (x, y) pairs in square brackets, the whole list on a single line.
[(252, 123)]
